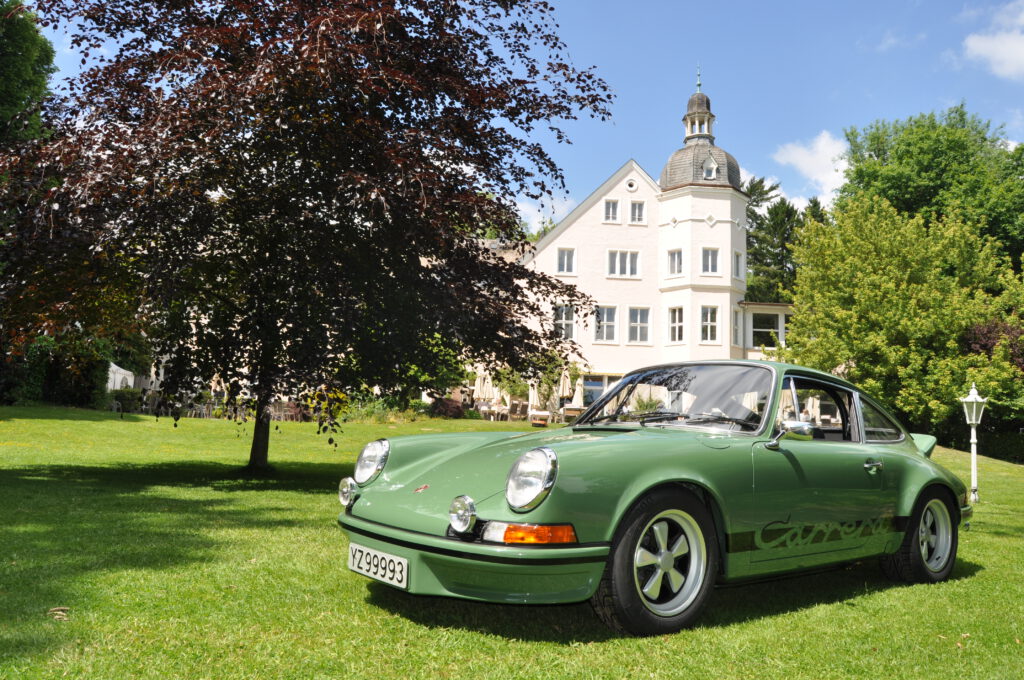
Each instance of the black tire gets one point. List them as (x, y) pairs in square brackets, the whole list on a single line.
[(662, 567), (928, 551)]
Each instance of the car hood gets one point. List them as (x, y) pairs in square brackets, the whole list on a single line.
[(425, 473)]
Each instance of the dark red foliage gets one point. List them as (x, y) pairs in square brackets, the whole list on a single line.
[(291, 194), (984, 338)]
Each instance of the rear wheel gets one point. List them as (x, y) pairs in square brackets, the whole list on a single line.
[(662, 567), (928, 551)]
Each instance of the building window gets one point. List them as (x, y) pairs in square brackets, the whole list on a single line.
[(611, 210), (604, 330), (736, 327), (708, 324), (594, 386), (709, 260), (675, 262), (636, 212), (563, 320), (623, 262), (710, 169), (566, 260), (675, 324), (737, 265), (762, 327), (639, 324)]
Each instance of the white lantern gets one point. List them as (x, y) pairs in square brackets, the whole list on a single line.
[(974, 406)]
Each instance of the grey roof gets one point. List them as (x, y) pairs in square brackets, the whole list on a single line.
[(686, 166), (699, 102)]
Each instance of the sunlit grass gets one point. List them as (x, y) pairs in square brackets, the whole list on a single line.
[(171, 564)]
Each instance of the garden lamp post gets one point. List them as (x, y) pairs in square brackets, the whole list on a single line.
[(974, 406)]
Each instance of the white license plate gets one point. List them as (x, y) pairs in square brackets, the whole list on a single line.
[(379, 565)]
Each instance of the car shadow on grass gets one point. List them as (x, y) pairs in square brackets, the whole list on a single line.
[(576, 623)]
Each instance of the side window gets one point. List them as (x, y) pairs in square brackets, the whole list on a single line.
[(877, 426), (826, 407)]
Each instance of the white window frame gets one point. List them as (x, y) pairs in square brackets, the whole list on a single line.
[(737, 318), (675, 256), (632, 261), (572, 261), (601, 325), (612, 203), (638, 325), (779, 323), (566, 323), (676, 324), (709, 327), (704, 253), (737, 266), (643, 212)]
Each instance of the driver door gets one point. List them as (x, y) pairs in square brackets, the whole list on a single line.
[(820, 500)]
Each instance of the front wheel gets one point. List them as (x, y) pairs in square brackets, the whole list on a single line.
[(663, 565), (928, 551)]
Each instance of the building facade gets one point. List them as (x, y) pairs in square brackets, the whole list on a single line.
[(665, 261)]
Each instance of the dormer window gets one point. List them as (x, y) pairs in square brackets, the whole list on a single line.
[(710, 168)]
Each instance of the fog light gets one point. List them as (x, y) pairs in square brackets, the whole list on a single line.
[(462, 514), (347, 490)]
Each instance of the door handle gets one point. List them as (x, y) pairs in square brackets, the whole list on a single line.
[(873, 466)]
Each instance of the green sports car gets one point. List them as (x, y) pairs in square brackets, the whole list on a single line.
[(677, 478)]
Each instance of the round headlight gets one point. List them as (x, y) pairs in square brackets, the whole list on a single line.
[(462, 514), (531, 478), (347, 490), (371, 460)]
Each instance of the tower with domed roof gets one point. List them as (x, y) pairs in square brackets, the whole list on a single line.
[(702, 209)]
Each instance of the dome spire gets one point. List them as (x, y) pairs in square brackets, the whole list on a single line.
[(698, 119)]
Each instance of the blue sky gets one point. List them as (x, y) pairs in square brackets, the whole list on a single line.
[(785, 79)]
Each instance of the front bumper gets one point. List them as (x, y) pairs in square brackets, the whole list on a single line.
[(493, 573), (966, 512)]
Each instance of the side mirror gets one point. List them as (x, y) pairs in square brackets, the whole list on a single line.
[(797, 430)]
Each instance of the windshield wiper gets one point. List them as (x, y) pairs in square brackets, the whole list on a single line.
[(651, 416), (718, 418)]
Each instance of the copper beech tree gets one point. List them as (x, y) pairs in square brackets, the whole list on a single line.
[(292, 192)]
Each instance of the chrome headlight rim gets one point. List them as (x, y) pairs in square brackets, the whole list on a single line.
[(462, 514), (348, 490), (550, 474), (371, 461)]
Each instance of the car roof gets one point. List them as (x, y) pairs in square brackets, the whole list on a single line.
[(779, 367)]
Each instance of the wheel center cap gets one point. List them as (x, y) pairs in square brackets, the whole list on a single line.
[(666, 561)]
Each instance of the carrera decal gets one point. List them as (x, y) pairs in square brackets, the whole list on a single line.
[(785, 534)]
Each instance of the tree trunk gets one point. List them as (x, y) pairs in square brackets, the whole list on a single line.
[(259, 453)]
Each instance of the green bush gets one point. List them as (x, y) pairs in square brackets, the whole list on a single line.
[(129, 399)]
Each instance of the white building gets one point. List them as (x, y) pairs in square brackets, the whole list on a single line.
[(665, 262)]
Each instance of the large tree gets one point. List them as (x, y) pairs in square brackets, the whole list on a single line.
[(889, 302), (294, 191), (26, 63), (932, 165)]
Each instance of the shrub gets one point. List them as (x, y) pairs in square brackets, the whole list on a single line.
[(129, 399), (446, 408), (472, 414)]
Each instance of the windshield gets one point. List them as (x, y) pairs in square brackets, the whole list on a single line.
[(728, 396)]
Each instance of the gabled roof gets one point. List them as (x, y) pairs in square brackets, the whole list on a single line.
[(599, 193)]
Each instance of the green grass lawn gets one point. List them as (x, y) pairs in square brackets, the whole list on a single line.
[(172, 565)]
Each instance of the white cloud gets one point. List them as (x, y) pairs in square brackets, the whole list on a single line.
[(1001, 48), (534, 213), (891, 41), (819, 161)]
